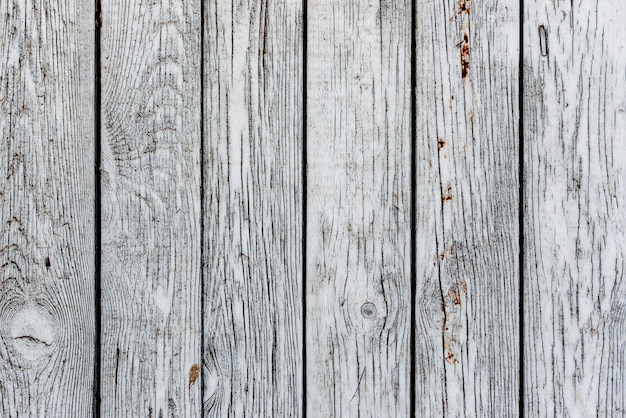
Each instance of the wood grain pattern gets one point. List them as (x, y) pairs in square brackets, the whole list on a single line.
[(575, 171), (467, 229), (358, 239), (151, 220), (47, 258), (253, 208)]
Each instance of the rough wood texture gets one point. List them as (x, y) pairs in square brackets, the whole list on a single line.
[(358, 207), (46, 208), (575, 232), (253, 208), (467, 230), (151, 219)]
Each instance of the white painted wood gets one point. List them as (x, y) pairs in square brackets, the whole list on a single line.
[(575, 229), (151, 221), (467, 213), (47, 258), (358, 242), (253, 192)]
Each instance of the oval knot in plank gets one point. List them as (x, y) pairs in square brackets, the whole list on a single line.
[(33, 332)]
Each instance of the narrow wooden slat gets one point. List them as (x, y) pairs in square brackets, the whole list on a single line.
[(253, 208), (151, 221), (575, 208), (467, 208), (358, 239), (47, 258)]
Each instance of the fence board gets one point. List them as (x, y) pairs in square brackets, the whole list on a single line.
[(151, 221), (47, 320), (575, 170), (253, 208), (358, 240), (467, 224)]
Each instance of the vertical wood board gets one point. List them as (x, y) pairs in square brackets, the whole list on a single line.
[(47, 321), (253, 208), (467, 208), (574, 207), (358, 242), (151, 220)]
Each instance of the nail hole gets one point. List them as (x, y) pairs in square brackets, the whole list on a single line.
[(543, 40)]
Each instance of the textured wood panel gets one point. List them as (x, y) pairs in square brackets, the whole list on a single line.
[(46, 208), (151, 221), (358, 242), (467, 208), (575, 229), (253, 196)]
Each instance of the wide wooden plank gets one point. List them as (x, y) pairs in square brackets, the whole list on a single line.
[(575, 208), (151, 221), (358, 241), (253, 208), (467, 208), (47, 262)]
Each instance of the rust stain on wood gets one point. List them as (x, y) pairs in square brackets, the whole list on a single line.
[(193, 374), (465, 6), (465, 56)]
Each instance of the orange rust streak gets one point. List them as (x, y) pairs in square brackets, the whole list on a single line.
[(193, 374)]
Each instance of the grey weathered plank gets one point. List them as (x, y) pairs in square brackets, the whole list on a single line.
[(151, 221), (253, 208), (47, 258), (358, 241), (467, 230), (574, 206)]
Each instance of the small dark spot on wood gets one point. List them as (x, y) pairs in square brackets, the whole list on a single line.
[(47, 262), (193, 374), (447, 195), (441, 143), (442, 256), (465, 56), (368, 310)]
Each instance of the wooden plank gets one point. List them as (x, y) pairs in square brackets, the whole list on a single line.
[(467, 197), (151, 220), (253, 208), (47, 316), (575, 232), (358, 240)]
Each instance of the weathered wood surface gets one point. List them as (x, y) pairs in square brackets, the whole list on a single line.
[(574, 208), (253, 196), (467, 196), (202, 210), (151, 221), (358, 240), (47, 258)]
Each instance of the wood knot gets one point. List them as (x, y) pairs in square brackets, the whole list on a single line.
[(33, 332), (368, 310)]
